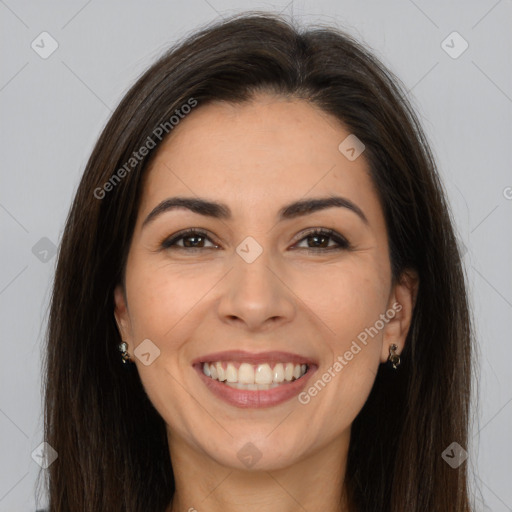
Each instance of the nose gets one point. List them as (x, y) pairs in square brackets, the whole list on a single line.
[(256, 295)]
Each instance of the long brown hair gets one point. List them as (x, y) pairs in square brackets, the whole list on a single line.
[(111, 442)]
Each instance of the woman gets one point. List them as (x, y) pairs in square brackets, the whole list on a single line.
[(259, 302)]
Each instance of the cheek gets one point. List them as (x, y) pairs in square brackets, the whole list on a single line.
[(347, 302), (162, 298), (344, 299), (163, 306)]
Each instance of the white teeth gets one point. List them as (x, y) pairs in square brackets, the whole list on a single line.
[(231, 373), (279, 373), (246, 374), (220, 372), (252, 387), (288, 371), (254, 377), (263, 374)]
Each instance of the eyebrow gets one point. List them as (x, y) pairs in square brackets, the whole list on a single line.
[(222, 211)]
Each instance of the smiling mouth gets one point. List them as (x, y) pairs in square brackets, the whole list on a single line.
[(254, 377)]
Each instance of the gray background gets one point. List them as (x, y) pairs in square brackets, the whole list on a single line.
[(53, 109)]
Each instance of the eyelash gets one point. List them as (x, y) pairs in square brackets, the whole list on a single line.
[(343, 243)]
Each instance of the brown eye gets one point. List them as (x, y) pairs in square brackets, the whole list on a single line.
[(192, 239), (320, 239)]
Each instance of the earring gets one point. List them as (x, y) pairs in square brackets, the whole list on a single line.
[(124, 354), (394, 358)]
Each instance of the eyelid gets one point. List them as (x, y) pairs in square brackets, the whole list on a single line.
[(342, 241), (168, 242)]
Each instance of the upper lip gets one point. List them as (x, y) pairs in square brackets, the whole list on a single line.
[(254, 358)]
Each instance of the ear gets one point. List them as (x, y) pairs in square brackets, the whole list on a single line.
[(122, 315), (400, 308)]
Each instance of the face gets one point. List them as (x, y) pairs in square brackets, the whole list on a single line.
[(254, 290)]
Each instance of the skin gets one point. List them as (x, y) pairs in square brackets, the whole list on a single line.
[(256, 157)]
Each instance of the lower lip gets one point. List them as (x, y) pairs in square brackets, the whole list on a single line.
[(245, 398)]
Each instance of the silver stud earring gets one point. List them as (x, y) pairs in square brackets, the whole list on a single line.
[(124, 354)]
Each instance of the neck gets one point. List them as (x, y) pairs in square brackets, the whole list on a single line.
[(316, 482)]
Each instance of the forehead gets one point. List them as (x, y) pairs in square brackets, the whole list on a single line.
[(268, 151)]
